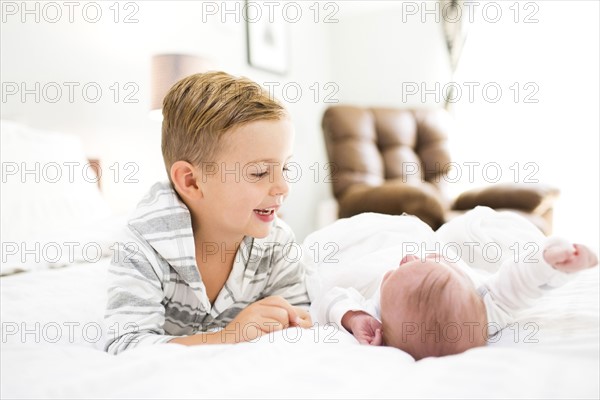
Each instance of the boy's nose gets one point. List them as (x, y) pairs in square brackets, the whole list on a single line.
[(280, 186)]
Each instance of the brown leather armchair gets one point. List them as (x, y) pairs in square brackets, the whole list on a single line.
[(393, 161)]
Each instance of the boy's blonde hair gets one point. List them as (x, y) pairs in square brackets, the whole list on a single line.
[(445, 318), (199, 109)]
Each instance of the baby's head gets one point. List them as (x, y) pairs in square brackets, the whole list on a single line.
[(429, 308)]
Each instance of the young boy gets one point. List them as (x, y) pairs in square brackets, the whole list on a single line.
[(203, 260), (434, 304)]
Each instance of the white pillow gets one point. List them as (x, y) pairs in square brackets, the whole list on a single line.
[(49, 197)]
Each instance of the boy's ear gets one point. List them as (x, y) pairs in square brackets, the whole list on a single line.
[(185, 179)]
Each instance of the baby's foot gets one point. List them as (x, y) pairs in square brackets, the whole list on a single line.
[(570, 259)]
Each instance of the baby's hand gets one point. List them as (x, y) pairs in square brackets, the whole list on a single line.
[(570, 259), (365, 328)]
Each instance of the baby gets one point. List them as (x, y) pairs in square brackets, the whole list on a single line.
[(434, 304)]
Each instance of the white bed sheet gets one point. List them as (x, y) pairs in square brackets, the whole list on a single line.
[(320, 363)]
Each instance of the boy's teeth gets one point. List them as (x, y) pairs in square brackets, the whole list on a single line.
[(264, 212)]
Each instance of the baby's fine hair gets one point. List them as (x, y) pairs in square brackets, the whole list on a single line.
[(199, 109), (445, 318)]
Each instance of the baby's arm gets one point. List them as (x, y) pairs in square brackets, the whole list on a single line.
[(349, 310), (364, 327), (570, 258), (518, 284)]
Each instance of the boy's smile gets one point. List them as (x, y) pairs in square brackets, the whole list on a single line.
[(266, 214)]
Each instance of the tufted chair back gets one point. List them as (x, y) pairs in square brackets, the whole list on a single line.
[(370, 146), (394, 161)]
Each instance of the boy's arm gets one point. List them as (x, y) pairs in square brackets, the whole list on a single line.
[(134, 314), (288, 277), (288, 280), (264, 316)]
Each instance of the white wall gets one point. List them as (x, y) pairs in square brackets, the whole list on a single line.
[(553, 45), (106, 52), (367, 53), (378, 45), (558, 135)]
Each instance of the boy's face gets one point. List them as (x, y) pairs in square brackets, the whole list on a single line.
[(244, 188)]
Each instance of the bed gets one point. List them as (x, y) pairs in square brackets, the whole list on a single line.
[(52, 334)]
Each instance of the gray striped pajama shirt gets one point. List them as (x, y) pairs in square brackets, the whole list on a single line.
[(155, 290)]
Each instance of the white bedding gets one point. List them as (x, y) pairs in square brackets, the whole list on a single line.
[(54, 214), (319, 363), (51, 321)]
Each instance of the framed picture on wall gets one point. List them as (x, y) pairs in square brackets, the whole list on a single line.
[(267, 42), (455, 28)]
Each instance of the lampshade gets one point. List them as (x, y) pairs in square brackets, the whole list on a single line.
[(167, 69)]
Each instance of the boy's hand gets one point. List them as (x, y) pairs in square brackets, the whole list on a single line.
[(305, 319), (365, 328), (570, 258), (270, 314)]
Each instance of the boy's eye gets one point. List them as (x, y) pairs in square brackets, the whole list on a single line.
[(260, 174)]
